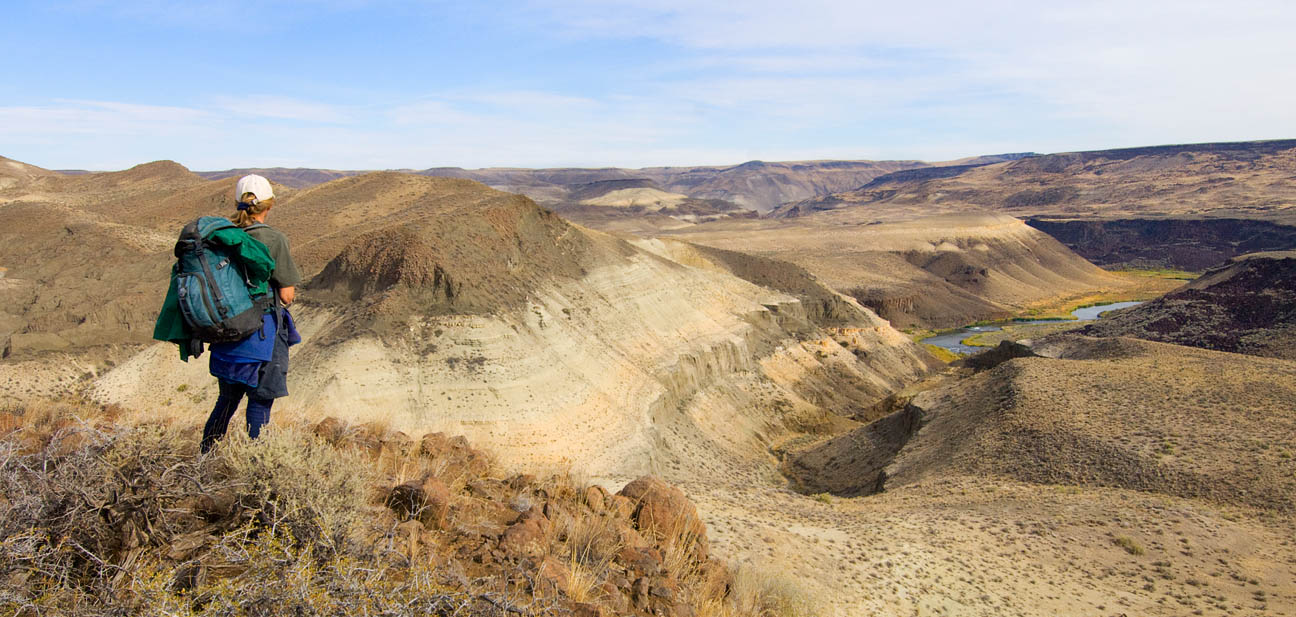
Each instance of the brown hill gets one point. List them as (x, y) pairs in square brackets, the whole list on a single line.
[(1248, 305), (73, 280), (15, 173), (1101, 412), (475, 228), (1244, 179), (454, 247)]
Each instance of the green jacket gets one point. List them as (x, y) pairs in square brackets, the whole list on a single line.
[(257, 266)]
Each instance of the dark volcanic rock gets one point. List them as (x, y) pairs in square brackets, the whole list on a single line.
[(1246, 306), (1185, 244), (1007, 350)]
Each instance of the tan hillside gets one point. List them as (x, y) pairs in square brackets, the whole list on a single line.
[(16, 174), (57, 293), (438, 303), (647, 198), (936, 272), (1095, 412), (1114, 475)]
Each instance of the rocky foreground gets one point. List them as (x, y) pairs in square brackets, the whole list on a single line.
[(101, 518)]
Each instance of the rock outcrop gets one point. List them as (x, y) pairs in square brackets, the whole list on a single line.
[(1180, 243), (1247, 305)]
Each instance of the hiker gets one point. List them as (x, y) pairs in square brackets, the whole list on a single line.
[(256, 366)]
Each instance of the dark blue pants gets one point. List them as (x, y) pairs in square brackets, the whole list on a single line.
[(231, 394)]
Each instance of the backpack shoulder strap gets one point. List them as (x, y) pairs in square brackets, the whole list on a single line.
[(208, 225)]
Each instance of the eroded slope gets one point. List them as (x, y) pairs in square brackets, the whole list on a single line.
[(442, 304), (934, 272)]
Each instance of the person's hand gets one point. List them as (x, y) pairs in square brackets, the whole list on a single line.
[(287, 294)]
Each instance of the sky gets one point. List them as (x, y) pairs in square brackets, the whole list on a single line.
[(388, 84)]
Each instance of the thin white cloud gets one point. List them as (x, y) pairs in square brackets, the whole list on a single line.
[(79, 117), (770, 80), (1154, 69)]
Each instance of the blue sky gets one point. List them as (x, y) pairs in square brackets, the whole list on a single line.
[(374, 84)]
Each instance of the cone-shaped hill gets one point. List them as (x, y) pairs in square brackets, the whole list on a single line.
[(409, 243), (451, 246)]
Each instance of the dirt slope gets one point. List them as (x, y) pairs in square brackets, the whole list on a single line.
[(1248, 305), (1101, 412), (936, 272)]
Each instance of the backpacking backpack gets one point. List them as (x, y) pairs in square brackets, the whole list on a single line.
[(211, 287)]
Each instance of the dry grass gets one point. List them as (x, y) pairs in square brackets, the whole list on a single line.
[(592, 539), (1128, 543), (762, 592), (115, 520), (944, 355), (98, 519)]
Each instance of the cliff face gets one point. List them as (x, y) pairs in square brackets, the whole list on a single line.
[(1185, 244)]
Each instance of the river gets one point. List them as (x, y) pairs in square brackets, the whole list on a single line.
[(953, 341)]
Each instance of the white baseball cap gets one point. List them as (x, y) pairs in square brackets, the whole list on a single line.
[(257, 185)]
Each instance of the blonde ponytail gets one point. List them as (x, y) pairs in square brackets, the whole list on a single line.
[(243, 217)]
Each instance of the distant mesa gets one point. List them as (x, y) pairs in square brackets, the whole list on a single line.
[(293, 177), (1235, 179)]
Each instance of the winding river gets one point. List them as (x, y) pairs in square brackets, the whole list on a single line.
[(953, 341)]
